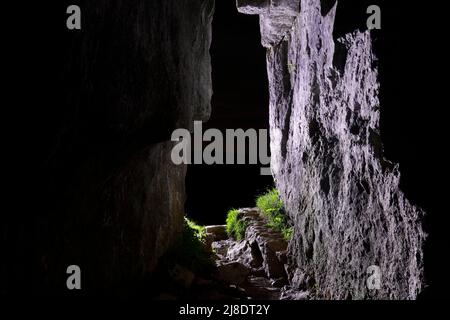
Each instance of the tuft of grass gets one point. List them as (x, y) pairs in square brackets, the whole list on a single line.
[(236, 226), (189, 251), (197, 229), (272, 207)]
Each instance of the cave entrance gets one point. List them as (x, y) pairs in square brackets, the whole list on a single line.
[(240, 100)]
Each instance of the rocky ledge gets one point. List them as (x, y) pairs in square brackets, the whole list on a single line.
[(257, 264)]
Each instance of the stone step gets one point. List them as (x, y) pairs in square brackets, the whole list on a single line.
[(262, 247), (218, 232)]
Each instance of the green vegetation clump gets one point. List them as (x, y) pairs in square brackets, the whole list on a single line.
[(198, 230), (189, 251), (272, 207), (236, 226)]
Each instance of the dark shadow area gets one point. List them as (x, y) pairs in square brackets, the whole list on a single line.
[(240, 100)]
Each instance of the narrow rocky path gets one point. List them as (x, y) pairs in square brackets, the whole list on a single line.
[(253, 268), (256, 265)]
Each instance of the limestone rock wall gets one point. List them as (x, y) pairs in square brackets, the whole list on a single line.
[(327, 158), (109, 198)]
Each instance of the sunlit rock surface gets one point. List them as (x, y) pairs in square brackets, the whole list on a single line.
[(327, 159)]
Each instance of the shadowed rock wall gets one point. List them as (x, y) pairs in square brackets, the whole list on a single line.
[(109, 198), (327, 159)]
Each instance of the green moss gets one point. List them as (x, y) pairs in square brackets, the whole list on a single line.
[(189, 251), (198, 230), (272, 207), (235, 225)]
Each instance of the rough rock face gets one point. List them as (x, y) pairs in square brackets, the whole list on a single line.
[(110, 199), (327, 158)]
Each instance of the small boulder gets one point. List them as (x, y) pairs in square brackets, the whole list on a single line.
[(245, 253), (221, 247), (208, 241), (232, 273), (270, 248), (217, 232)]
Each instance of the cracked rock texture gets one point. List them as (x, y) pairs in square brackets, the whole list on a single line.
[(327, 158)]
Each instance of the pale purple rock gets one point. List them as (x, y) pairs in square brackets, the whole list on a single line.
[(327, 159)]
